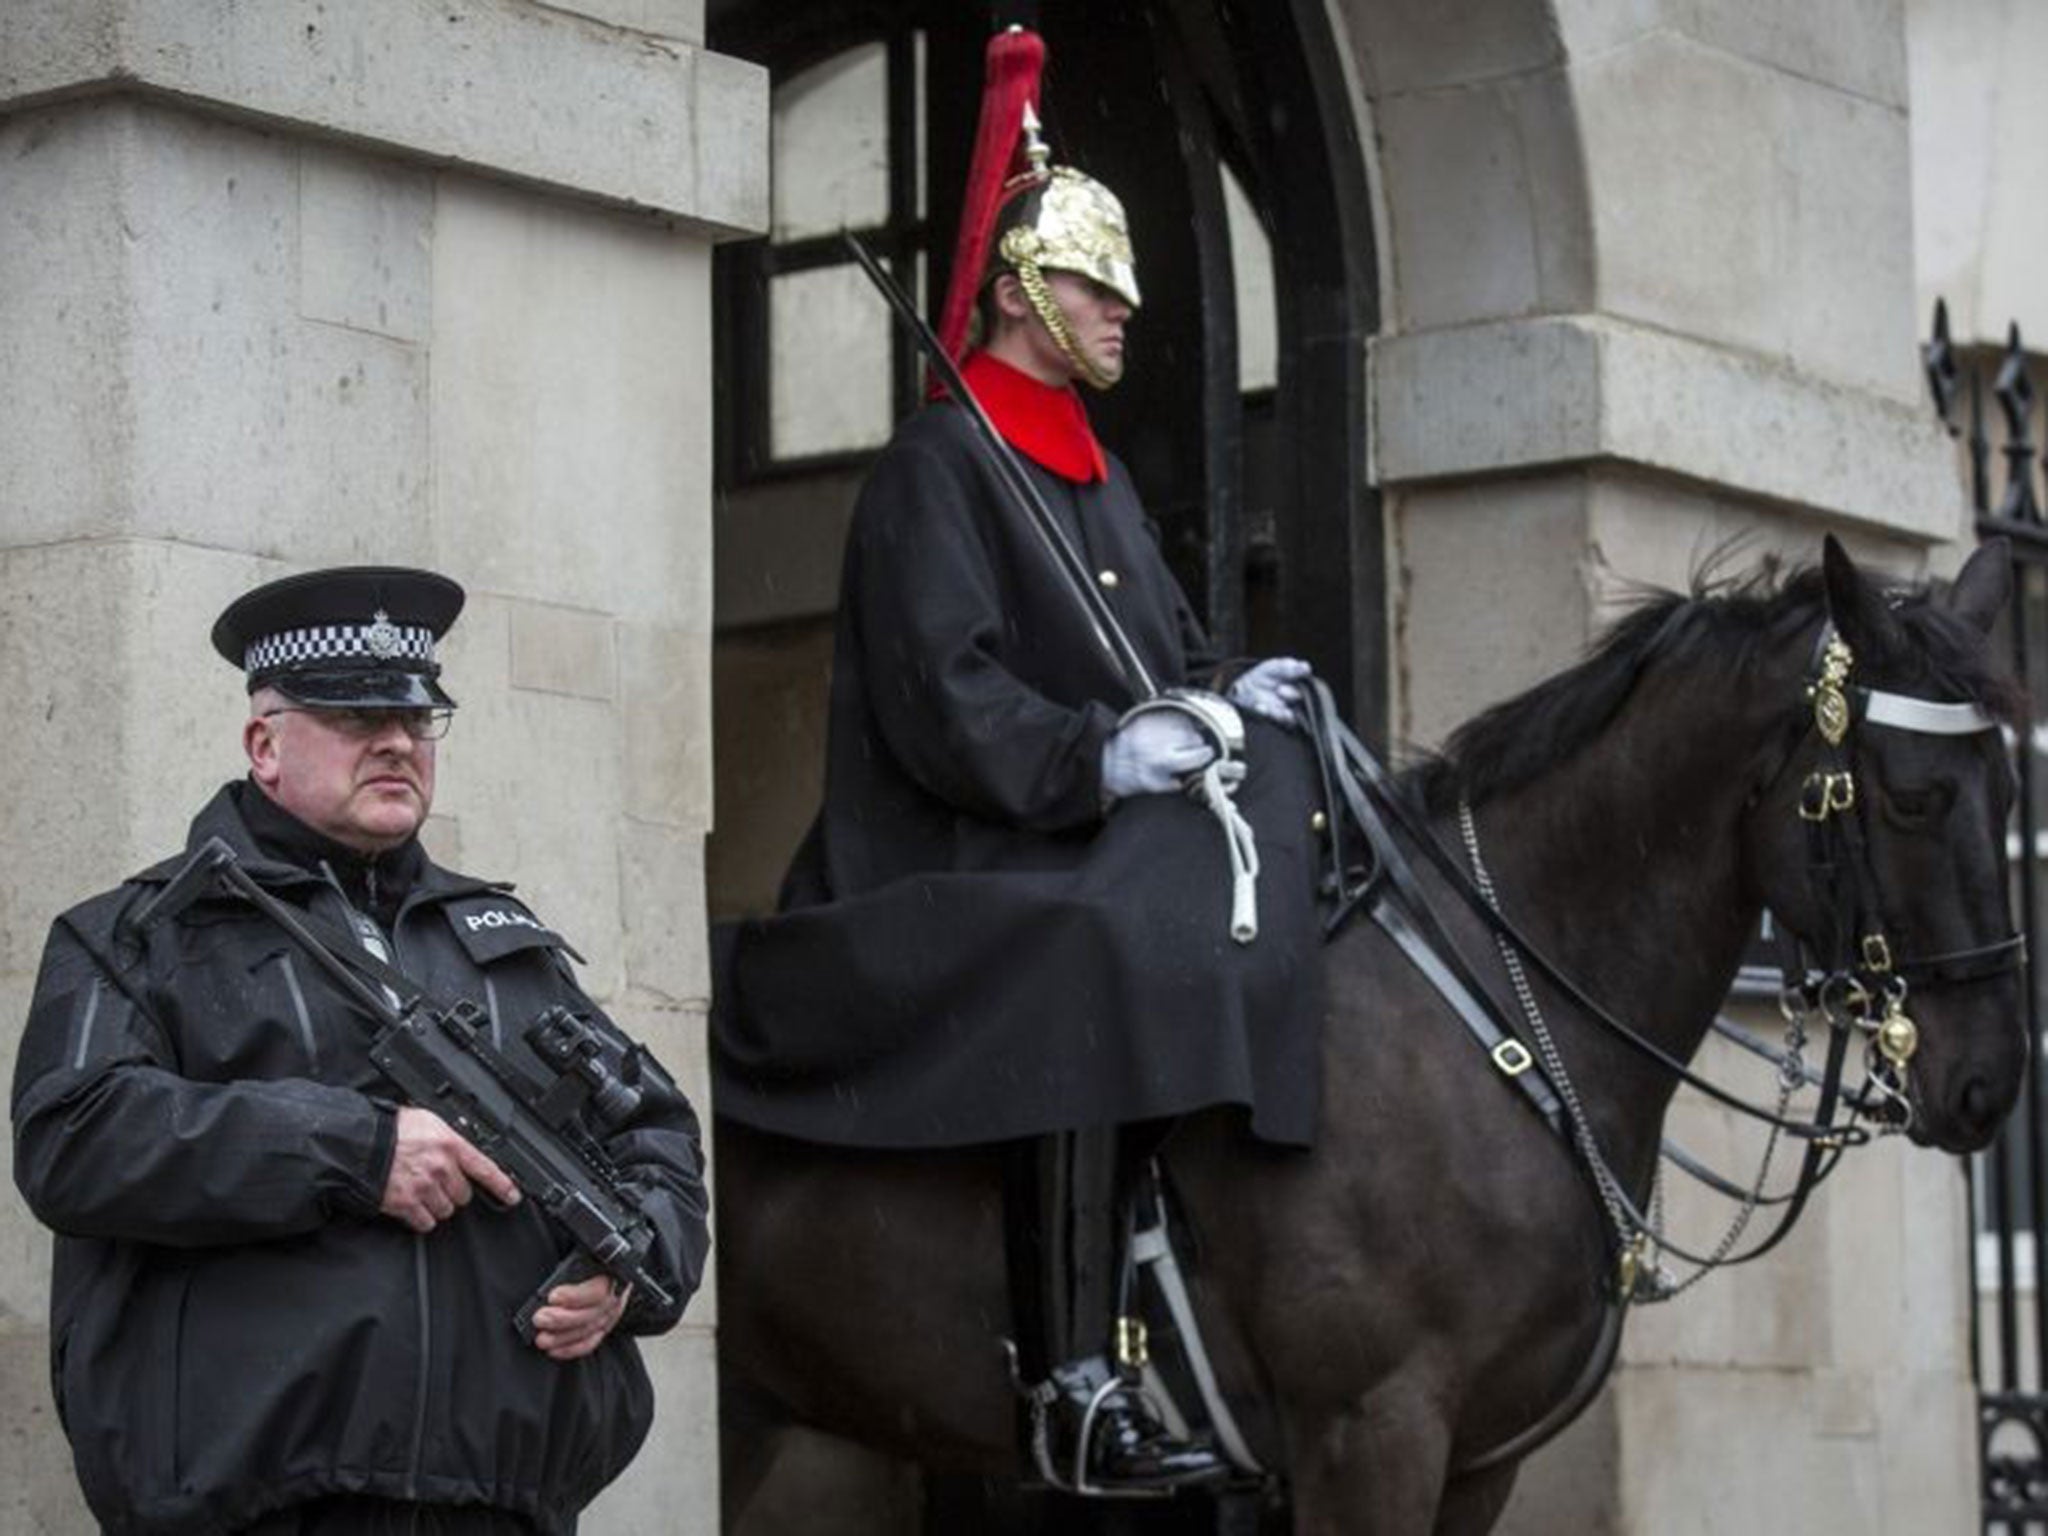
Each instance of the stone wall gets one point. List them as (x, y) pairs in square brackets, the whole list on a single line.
[(1648, 285), (300, 284)]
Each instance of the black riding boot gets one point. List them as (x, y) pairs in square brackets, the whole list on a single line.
[(1092, 1427)]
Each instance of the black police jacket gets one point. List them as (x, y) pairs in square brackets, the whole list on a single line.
[(234, 1325)]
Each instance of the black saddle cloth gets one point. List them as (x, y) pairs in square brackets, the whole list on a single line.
[(953, 1008)]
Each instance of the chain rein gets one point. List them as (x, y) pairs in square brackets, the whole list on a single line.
[(1639, 1239)]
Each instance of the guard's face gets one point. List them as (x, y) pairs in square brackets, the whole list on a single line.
[(358, 777), (1096, 315)]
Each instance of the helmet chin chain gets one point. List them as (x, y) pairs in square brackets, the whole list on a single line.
[(1046, 307)]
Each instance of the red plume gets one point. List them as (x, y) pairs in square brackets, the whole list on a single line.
[(1014, 61)]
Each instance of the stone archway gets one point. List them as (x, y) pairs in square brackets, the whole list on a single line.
[(1647, 287)]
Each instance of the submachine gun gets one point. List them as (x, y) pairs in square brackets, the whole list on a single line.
[(442, 1058)]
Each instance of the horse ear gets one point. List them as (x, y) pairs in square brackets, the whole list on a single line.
[(1857, 607), (1984, 585)]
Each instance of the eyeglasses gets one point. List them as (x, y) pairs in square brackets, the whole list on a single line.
[(362, 724)]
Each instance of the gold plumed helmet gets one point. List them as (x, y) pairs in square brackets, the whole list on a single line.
[(1055, 218)]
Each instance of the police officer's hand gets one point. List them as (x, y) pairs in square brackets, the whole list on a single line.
[(1152, 754), (577, 1317), (1270, 688), (434, 1171)]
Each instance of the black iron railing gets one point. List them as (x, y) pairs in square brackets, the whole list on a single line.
[(2009, 1197)]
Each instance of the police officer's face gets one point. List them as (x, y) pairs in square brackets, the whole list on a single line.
[(361, 779)]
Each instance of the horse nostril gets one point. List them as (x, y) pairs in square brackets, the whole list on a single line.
[(1981, 1104)]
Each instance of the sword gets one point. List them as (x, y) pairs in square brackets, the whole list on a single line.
[(1073, 571)]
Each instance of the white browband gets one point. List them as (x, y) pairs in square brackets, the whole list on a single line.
[(1910, 714)]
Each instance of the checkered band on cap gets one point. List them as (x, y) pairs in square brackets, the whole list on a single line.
[(378, 641)]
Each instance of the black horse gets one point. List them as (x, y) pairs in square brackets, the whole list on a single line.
[(1636, 814)]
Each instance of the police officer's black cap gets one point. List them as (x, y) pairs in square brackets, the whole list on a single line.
[(352, 637)]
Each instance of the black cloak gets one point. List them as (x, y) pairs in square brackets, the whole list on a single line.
[(969, 949)]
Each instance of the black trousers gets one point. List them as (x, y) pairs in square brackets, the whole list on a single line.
[(1064, 1199), (355, 1515)]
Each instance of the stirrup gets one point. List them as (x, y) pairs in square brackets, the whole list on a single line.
[(1063, 1388)]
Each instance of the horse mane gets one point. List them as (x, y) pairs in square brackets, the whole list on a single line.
[(1723, 628)]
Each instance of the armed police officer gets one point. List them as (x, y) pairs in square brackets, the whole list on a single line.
[(282, 1300), (1008, 923)]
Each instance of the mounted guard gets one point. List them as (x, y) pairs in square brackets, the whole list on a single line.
[(1053, 898)]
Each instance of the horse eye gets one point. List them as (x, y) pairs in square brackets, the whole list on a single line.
[(1920, 805)]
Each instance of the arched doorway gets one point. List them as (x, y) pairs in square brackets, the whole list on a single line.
[(1228, 132), (1243, 420)]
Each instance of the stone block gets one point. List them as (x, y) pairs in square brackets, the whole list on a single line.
[(572, 455), (1565, 389), (366, 243), (1491, 596), (137, 721), (527, 92), (65, 325), (1855, 46), (1468, 400), (1980, 154), (679, 19), (313, 446), (1772, 1315), (662, 900), (666, 708), (563, 650), (1927, 1463), (1414, 45), (533, 778), (441, 836), (1652, 529), (313, 439), (1936, 1265), (1817, 266), (1844, 1405), (1464, 247), (38, 1491), (1554, 169), (671, 1488), (1748, 1464)]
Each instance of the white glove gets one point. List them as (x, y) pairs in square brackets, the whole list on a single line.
[(1152, 755), (1269, 689)]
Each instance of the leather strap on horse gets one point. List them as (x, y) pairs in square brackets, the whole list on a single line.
[(1376, 784), (1388, 890)]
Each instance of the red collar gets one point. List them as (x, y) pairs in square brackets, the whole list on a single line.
[(1048, 426)]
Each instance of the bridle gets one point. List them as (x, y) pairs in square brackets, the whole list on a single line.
[(1851, 973), (1847, 977)]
